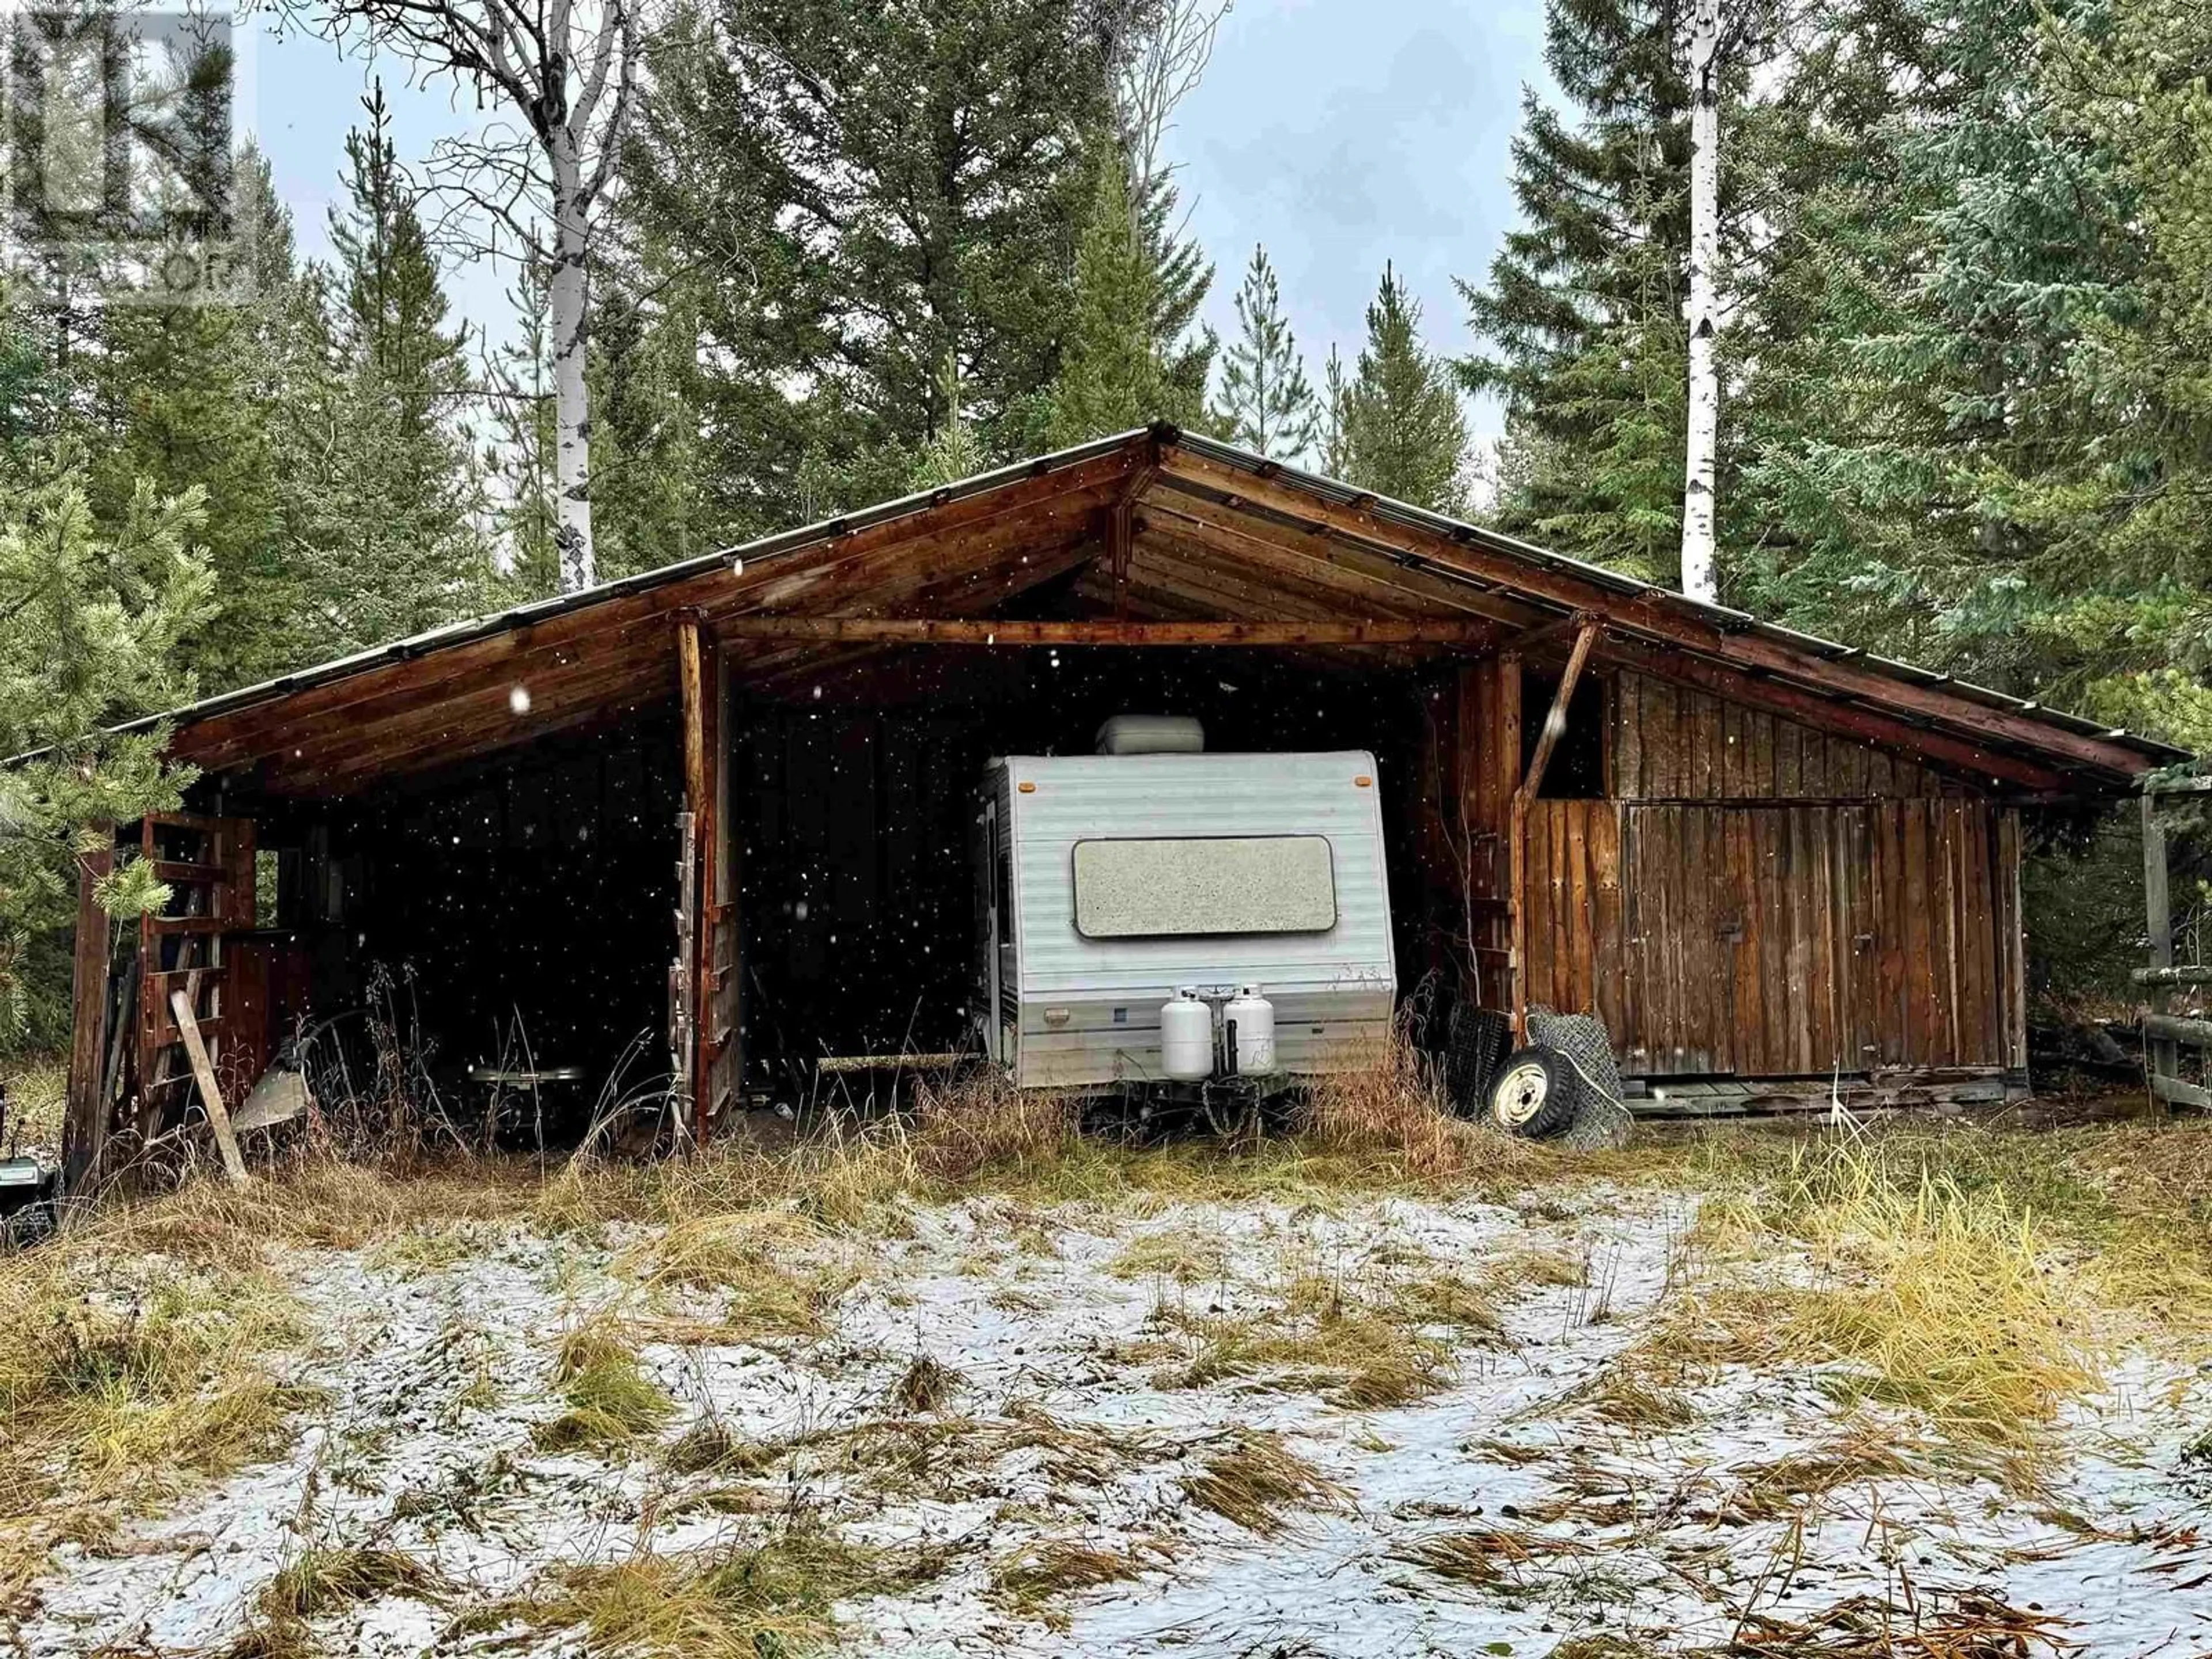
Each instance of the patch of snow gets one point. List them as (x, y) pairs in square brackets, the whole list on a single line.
[(436, 1375)]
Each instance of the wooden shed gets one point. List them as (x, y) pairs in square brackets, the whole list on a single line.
[(1765, 859)]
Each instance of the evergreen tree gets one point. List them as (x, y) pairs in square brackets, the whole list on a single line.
[(1988, 451), (1404, 435), (185, 398), (1335, 402), (1582, 316), (1266, 403), (1182, 277), (953, 453), (646, 446), (518, 459), (92, 625), (1111, 377), (394, 546), (828, 198)]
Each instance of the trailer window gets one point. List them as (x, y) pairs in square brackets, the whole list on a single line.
[(1204, 885)]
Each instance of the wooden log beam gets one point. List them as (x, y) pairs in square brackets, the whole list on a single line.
[(84, 1123), (693, 677), (2174, 975), (2157, 929), (2172, 1028), (1661, 618), (983, 631), (1555, 725), (1034, 508), (1555, 722), (1270, 547)]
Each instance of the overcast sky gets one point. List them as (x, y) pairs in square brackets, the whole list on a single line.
[(1338, 133)]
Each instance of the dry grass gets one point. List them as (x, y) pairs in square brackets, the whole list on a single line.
[(322, 1580), (765, 1264), (1031, 1578), (1944, 1299), (611, 1400), (947, 1457), (1778, 1488), (1361, 1346), (125, 1378), (753, 1600), (1182, 1255), (925, 1387), (1390, 1107), (1490, 1555), (37, 1089), (1255, 1480)]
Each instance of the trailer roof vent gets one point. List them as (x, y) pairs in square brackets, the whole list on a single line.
[(1152, 734)]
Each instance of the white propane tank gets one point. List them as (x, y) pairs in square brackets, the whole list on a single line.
[(1187, 1038), (1253, 1016)]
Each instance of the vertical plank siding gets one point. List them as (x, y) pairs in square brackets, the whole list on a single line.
[(1670, 743), (1782, 941)]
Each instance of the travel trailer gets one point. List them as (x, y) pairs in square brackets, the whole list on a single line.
[(1153, 914)]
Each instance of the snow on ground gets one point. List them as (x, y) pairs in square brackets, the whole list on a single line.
[(437, 1362)]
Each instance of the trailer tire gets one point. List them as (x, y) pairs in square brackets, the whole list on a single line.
[(1535, 1094)]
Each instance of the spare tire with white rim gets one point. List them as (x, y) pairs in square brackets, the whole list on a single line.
[(1534, 1094)]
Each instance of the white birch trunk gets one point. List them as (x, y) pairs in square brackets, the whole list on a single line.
[(1702, 311), (565, 303)]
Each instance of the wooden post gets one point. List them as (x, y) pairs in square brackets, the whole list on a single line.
[(699, 801), (1555, 723), (84, 1124), (188, 1027), (2158, 919)]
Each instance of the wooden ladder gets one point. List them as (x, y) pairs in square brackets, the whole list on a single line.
[(207, 864)]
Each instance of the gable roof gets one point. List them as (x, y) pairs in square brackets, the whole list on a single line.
[(1206, 531)]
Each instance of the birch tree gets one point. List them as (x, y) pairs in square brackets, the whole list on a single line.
[(562, 75), (1702, 427)]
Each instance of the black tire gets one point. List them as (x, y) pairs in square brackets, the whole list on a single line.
[(1535, 1094)]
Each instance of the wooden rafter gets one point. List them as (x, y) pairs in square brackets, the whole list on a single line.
[(1668, 626), (984, 631)]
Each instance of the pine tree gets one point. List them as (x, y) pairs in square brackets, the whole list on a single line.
[(954, 453), (1335, 403), (92, 627), (393, 302), (1582, 316), (519, 456), (1111, 377), (1266, 403), (395, 548), (1404, 435), (828, 198), (1182, 277), (187, 397)]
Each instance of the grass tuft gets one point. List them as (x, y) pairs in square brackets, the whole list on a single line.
[(758, 1601), (611, 1400), (1255, 1479), (1360, 1350), (323, 1580), (1943, 1298), (1030, 1578), (1490, 1555), (1390, 1107), (926, 1386)]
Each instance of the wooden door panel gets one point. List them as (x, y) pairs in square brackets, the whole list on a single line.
[(1788, 941)]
